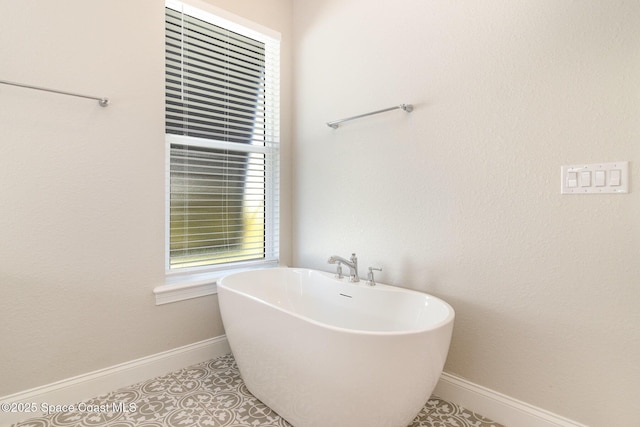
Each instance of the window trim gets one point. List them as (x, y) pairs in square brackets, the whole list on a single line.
[(181, 287), (194, 282), (223, 18)]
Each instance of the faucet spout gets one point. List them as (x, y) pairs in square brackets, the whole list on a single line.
[(335, 258), (352, 263)]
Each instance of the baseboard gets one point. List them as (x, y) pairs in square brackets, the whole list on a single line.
[(496, 406), (502, 409), (92, 384)]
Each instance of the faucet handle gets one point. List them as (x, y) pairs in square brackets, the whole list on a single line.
[(370, 279), (339, 271)]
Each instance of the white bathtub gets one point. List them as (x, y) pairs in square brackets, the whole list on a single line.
[(325, 352)]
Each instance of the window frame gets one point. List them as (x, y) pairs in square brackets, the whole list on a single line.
[(205, 276)]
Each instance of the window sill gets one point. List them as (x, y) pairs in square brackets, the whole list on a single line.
[(187, 286)]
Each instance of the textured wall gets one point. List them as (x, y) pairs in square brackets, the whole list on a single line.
[(461, 197), (82, 188)]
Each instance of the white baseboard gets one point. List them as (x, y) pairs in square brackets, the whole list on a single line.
[(92, 384), (496, 406), (500, 408)]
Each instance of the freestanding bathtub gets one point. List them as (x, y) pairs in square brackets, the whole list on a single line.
[(323, 352)]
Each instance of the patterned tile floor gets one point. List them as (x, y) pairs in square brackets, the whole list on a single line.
[(210, 394)]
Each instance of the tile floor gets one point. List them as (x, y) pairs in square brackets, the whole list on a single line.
[(210, 394)]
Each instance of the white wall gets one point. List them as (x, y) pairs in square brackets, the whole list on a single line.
[(461, 197), (82, 187)]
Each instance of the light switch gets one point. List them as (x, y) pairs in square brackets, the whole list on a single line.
[(595, 178), (585, 179), (614, 179)]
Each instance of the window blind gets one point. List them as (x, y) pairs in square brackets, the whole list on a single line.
[(222, 135)]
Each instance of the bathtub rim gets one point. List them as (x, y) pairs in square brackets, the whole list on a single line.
[(448, 320)]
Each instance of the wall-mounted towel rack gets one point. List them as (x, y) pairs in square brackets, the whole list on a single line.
[(406, 107), (101, 100)]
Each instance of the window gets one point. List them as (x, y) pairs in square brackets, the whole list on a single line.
[(222, 138)]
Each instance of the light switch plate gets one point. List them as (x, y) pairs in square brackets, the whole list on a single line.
[(590, 177)]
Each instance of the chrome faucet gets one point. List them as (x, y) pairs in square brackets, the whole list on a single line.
[(352, 263)]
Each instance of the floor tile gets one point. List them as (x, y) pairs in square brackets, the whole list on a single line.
[(440, 413), (211, 394)]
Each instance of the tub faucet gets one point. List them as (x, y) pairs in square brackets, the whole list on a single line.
[(352, 263)]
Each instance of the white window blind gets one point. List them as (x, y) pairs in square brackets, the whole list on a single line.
[(222, 136)]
